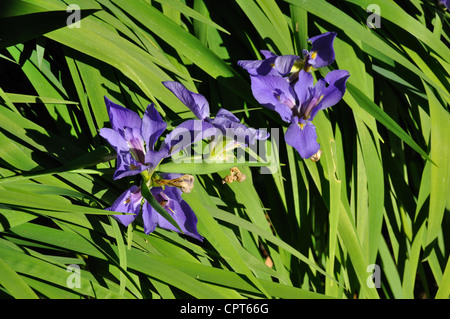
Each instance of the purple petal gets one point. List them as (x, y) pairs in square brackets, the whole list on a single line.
[(334, 92), (303, 86), (152, 126), (268, 54), (284, 63), (115, 139), (230, 126), (149, 217), (181, 212), (127, 202), (127, 165), (187, 133), (154, 158), (275, 93), (136, 144), (225, 114), (322, 52), (304, 140), (121, 117), (194, 101)]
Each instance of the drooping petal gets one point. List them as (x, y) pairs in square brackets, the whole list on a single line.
[(128, 202), (303, 139), (152, 126), (275, 93), (334, 92), (260, 67), (322, 52), (121, 117), (181, 212), (187, 133), (302, 86), (284, 63), (197, 103), (268, 54), (116, 140), (127, 166), (231, 127), (149, 217), (224, 114)]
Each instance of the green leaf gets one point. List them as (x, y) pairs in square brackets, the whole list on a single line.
[(14, 284)]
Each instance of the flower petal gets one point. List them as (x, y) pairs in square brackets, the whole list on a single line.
[(181, 212), (121, 117), (334, 92), (284, 63), (302, 86), (197, 103), (187, 133), (304, 140), (128, 202), (231, 127), (322, 48), (116, 140), (149, 217), (152, 126), (127, 165), (275, 93)]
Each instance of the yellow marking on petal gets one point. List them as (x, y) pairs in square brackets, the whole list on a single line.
[(313, 55), (133, 167), (301, 125), (127, 200), (173, 212)]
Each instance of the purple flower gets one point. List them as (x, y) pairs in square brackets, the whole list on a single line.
[(320, 55), (134, 138), (298, 104), (225, 121), (134, 141), (445, 3), (132, 201)]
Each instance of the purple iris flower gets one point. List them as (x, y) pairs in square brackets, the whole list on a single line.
[(298, 104), (225, 121), (134, 141), (320, 55), (134, 138), (132, 201), (445, 3)]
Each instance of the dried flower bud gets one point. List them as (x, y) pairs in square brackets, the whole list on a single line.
[(185, 183), (316, 156), (235, 175), (228, 179)]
